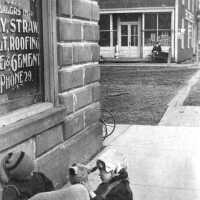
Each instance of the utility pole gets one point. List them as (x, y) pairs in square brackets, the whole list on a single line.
[(198, 32)]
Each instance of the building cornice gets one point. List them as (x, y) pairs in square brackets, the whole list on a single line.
[(137, 10)]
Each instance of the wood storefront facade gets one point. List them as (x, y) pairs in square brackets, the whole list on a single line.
[(133, 27)]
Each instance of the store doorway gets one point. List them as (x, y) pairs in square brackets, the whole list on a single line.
[(129, 39)]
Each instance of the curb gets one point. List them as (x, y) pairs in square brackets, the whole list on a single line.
[(179, 99)]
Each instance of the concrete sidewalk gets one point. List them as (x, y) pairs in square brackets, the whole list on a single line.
[(142, 64), (179, 115), (164, 160)]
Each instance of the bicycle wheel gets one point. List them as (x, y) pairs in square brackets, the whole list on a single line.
[(108, 122)]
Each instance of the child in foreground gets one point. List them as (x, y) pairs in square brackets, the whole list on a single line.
[(113, 174), (18, 178)]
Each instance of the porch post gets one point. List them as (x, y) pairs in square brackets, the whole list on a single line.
[(118, 32), (143, 21), (176, 18), (111, 30), (198, 37), (172, 43)]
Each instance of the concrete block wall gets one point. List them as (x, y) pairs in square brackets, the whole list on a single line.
[(79, 88), (78, 138)]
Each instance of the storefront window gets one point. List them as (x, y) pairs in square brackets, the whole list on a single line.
[(115, 21), (158, 28), (104, 25), (164, 37), (150, 37), (114, 37), (21, 67), (104, 38)]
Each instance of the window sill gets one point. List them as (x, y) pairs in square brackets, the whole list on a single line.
[(25, 123), (23, 113)]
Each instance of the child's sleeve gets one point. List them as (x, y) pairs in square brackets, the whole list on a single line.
[(9, 193)]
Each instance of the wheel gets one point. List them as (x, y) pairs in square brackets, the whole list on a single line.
[(108, 122)]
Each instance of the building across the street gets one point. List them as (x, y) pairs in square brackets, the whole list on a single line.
[(130, 28)]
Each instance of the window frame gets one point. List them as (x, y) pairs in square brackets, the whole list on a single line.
[(49, 17), (48, 71)]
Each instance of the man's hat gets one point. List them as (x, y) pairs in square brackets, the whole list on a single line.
[(18, 165)]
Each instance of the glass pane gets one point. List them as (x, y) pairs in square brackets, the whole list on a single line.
[(104, 38), (104, 23), (164, 38), (150, 38), (20, 54), (115, 22), (114, 38), (150, 21), (134, 41), (134, 30), (164, 21), (124, 29), (124, 41)]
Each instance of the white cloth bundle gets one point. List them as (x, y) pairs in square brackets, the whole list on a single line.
[(114, 160), (73, 192)]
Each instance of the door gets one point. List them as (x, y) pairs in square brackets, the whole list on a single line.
[(129, 40)]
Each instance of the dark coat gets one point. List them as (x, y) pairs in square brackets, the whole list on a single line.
[(121, 191), (24, 189), (157, 48)]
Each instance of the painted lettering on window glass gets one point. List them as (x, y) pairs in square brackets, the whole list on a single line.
[(20, 67)]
